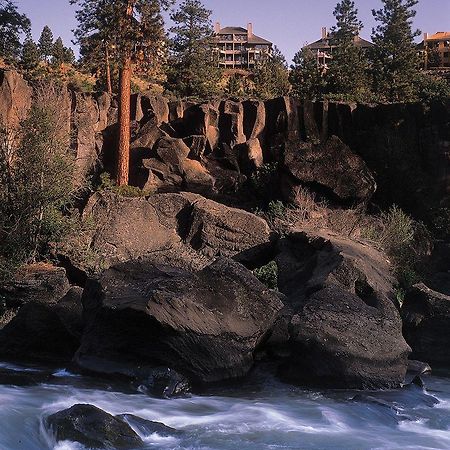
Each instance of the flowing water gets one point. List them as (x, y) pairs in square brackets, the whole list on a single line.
[(260, 414)]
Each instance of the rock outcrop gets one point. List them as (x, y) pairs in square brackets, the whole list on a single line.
[(205, 325)]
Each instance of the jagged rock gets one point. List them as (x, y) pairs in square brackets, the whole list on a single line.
[(197, 146), (185, 230), (205, 325), (345, 330), (155, 106), (331, 168), (426, 324), (254, 120), (93, 428), (250, 156), (231, 123), (15, 98)]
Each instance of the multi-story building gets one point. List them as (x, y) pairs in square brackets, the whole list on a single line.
[(240, 48), (324, 47), (436, 49)]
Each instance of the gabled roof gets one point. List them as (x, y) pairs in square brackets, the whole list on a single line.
[(232, 30), (328, 43), (439, 36), (258, 40)]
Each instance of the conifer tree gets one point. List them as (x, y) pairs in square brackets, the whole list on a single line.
[(58, 52), (30, 57), (46, 43), (271, 76), (306, 76), (347, 73), (193, 70), (395, 58), (12, 26), (134, 29)]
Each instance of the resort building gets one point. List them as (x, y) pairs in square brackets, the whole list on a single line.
[(324, 47), (240, 48), (436, 49)]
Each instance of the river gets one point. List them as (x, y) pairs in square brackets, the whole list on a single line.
[(258, 414)]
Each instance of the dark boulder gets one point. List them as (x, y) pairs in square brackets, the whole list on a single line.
[(148, 427), (331, 168), (93, 428), (426, 324), (205, 325)]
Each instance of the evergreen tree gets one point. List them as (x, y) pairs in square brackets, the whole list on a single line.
[(46, 43), (69, 56), (58, 52), (271, 76), (395, 58), (135, 30), (194, 70), (306, 76), (12, 26), (30, 57), (347, 74)]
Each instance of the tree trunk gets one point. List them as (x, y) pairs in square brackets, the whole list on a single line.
[(123, 160), (108, 70)]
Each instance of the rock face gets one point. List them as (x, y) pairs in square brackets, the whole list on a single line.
[(330, 167), (183, 230), (426, 318), (93, 428), (205, 325), (345, 330)]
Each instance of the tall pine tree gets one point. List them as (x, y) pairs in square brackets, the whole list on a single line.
[(193, 71), (306, 76), (46, 43), (347, 74), (395, 59), (134, 29), (30, 57), (12, 26)]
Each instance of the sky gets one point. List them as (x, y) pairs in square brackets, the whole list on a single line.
[(288, 23)]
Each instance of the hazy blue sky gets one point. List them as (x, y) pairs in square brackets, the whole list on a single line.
[(288, 23)]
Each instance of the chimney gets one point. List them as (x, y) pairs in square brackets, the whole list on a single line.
[(249, 30), (217, 27), (324, 33), (425, 37)]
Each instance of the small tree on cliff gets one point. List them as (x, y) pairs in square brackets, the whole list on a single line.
[(62, 54), (46, 43), (134, 29), (12, 26), (271, 76), (347, 75), (306, 76), (30, 56), (193, 71), (395, 58)]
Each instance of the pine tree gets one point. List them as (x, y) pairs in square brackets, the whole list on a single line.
[(46, 43), (347, 74), (194, 71), (134, 29), (395, 59), (306, 76), (30, 57), (12, 26), (271, 76), (58, 52)]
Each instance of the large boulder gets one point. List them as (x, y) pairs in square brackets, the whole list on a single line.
[(93, 428), (426, 319), (183, 230), (330, 167), (205, 325), (345, 329), (231, 123)]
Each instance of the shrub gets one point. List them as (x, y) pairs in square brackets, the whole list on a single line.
[(107, 184), (268, 275)]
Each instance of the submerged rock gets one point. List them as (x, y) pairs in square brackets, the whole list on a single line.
[(93, 428)]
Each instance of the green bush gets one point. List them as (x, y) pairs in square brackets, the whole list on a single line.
[(268, 275), (107, 184)]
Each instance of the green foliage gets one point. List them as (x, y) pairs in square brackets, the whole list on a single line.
[(12, 26), (193, 70), (431, 88), (262, 181), (268, 275), (395, 64), (46, 43), (36, 191), (62, 54), (30, 56), (276, 210), (347, 75), (107, 184), (271, 77), (306, 76)]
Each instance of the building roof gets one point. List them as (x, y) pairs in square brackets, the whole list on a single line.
[(254, 39), (328, 43), (439, 36)]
